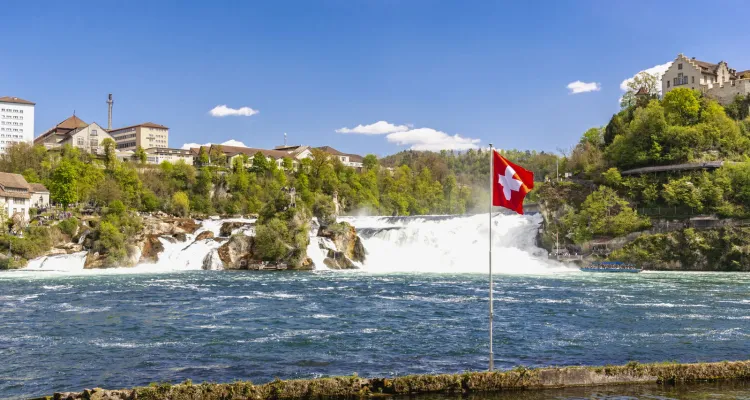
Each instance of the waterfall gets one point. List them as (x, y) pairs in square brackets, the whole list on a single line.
[(434, 244), (59, 263), (453, 244)]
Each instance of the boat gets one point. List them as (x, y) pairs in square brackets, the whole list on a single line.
[(611, 266)]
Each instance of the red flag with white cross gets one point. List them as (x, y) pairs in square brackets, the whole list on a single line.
[(510, 183)]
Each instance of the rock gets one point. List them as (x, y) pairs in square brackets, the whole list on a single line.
[(71, 247), (181, 236), (151, 248), (204, 235), (338, 260), (237, 252), (344, 236), (94, 260), (228, 227)]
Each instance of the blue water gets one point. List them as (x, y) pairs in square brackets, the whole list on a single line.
[(72, 332)]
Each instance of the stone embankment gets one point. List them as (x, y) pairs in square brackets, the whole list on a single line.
[(469, 382)]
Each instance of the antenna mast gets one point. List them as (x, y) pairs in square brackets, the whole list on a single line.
[(109, 104)]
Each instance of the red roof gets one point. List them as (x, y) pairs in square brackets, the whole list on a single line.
[(17, 100)]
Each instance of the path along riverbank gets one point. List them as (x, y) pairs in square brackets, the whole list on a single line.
[(469, 382)]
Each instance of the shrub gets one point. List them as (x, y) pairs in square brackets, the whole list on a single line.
[(69, 226), (270, 238), (180, 204)]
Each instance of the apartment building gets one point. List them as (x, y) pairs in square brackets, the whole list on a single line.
[(16, 121), (147, 135), (75, 132)]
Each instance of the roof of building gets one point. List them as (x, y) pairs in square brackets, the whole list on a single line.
[(745, 73), (145, 124), (250, 151), (13, 181), (38, 188), (642, 91), (17, 100), (70, 124), (330, 150)]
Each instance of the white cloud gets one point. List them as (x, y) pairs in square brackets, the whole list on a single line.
[(378, 128), (224, 111), (230, 142), (583, 87), (428, 139), (657, 70)]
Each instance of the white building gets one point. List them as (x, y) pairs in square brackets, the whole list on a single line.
[(157, 155), (76, 133), (350, 160), (39, 195), (16, 121), (15, 194), (718, 81)]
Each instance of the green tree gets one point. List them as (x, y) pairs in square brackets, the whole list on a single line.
[(260, 163), (270, 238), (615, 127), (682, 106), (63, 184), (181, 204), (370, 161), (203, 158), (603, 213), (140, 155), (110, 157), (649, 82)]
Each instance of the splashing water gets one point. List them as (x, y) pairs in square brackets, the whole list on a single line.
[(446, 244)]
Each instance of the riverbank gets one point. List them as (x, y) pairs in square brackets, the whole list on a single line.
[(469, 382)]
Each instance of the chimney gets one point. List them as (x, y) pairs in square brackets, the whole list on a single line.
[(109, 119), (284, 139)]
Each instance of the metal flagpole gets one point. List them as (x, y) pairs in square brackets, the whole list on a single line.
[(492, 173)]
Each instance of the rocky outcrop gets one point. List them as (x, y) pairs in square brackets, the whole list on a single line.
[(237, 253), (338, 260), (348, 244), (151, 248), (181, 237), (204, 235), (228, 228)]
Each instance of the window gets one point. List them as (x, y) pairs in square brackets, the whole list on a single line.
[(80, 141), (693, 79), (679, 66), (94, 142), (93, 132)]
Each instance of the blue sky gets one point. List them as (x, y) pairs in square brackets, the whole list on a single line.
[(489, 71)]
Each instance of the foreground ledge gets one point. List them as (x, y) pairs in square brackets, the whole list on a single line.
[(355, 387)]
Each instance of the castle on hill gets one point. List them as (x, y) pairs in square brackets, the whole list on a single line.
[(717, 81)]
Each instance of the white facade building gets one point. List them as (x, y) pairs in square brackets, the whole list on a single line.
[(16, 121), (15, 195)]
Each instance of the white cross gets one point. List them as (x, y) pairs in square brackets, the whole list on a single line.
[(509, 182)]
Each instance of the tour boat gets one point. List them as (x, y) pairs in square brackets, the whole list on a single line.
[(611, 266)]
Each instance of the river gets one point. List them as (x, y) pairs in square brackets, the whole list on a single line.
[(127, 327)]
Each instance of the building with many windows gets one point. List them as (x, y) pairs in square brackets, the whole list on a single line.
[(157, 155), (76, 133), (718, 81), (16, 121), (147, 135)]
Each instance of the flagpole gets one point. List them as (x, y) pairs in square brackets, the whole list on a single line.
[(492, 165)]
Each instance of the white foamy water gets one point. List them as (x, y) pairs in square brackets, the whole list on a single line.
[(454, 245), (431, 244), (63, 262)]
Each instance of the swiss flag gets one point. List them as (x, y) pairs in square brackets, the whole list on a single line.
[(510, 183)]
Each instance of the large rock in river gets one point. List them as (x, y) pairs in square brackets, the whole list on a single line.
[(237, 252), (344, 236), (227, 228)]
